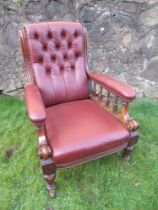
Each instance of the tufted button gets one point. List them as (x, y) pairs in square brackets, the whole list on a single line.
[(73, 66), (45, 47), (63, 33), (65, 57), (36, 35), (49, 35), (53, 58), (48, 69), (76, 33), (77, 55), (69, 45), (57, 46), (62, 67), (40, 59)]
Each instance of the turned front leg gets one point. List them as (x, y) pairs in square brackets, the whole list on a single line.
[(47, 163), (49, 174), (130, 147)]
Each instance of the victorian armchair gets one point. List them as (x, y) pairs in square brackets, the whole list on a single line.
[(74, 110)]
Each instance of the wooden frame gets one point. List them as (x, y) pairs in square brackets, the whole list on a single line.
[(105, 98), (47, 164)]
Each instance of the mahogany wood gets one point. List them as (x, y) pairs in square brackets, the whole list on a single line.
[(130, 147), (104, 102), (47, 164), (106, 99)]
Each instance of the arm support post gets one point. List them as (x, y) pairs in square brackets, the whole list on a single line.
[(37, 113)]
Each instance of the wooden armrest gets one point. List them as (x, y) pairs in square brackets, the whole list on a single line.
[(116, 87), (115, 93), (34, 103)]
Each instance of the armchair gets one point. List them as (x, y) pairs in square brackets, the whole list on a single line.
[(74, 110)]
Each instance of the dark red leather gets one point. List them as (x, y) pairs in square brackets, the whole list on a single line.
[(115, 86), (57, 54), (81, 128), (34, 103)]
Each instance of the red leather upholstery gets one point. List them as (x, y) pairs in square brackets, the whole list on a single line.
[(76, 127), (81, 128), (115, 86), (34, 103), (57, 54), (71, 128)]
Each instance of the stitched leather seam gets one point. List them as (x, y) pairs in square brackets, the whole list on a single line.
[(91, 157)]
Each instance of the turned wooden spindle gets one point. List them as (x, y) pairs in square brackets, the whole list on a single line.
[(115, 105), (100, 95), (107, 99), (124, 116), (94, 88)]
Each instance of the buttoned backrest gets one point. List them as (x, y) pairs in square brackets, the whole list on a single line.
[(54, 54)]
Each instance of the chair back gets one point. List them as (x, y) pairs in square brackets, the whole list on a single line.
[(55, 59)]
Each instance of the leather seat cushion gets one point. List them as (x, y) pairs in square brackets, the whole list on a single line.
[(79, 129)]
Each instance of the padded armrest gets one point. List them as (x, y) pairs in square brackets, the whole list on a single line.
[(34, 103), (115, 86)]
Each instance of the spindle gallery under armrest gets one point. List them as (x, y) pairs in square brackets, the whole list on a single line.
[(112, 103)]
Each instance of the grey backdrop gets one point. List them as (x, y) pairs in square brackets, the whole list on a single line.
[(123, 38)]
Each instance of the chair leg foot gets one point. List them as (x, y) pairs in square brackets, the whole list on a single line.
[(49, 174), (127, 151), (51, 187), (52, 193)]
